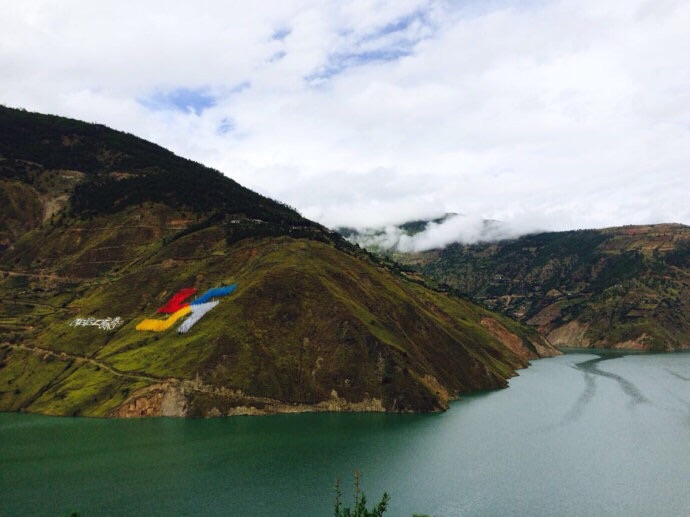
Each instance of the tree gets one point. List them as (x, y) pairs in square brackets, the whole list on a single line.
[(360, 507)]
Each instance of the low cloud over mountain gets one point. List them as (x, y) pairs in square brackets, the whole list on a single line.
[(425, 235)]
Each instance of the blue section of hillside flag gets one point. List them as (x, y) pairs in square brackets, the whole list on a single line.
[(215, 292)]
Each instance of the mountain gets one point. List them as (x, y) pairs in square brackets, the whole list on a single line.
[(624, 288), (102, 231)]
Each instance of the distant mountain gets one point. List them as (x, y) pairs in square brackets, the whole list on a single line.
[(101, 231), (625, 287)]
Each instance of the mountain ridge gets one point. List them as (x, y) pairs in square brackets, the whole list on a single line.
[(106, 227)]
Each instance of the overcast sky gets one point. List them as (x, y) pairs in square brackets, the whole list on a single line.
[(546, 114)]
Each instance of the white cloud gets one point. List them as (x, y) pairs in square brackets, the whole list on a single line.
[(550, 114), (452, 228)]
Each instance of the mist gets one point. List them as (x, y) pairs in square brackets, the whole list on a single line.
[(455, 228)]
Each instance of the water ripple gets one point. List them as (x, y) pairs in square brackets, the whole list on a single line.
[(676, 374)]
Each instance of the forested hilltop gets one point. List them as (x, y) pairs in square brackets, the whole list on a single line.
[(134, 282)]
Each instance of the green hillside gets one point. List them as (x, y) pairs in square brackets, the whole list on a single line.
[(625, 287), (100, 224)]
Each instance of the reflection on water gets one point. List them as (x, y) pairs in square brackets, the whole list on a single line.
[(622, 448)]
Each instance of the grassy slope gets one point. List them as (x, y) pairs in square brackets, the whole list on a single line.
[(620, 287), (20, 209), (114, 225), (306, 319)]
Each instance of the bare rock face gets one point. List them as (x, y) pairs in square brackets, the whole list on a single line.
[(157, 400), (174, 403), (570, 334), (171, 399), (641, 343), (337, 405), (510, 340), (546, 316), (516, 344), (441, 392)]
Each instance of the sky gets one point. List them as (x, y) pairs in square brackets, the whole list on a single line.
[(542, 115)]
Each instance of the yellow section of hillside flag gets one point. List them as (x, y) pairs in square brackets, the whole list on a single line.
[(161, 325)]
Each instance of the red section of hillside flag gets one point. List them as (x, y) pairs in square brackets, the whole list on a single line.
[(175, 303)]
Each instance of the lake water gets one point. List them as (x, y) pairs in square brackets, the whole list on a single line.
[(579, 434)]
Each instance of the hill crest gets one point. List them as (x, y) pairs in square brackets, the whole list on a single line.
[(315, 322)]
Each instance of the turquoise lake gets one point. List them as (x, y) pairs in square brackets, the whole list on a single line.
[(579, 434)]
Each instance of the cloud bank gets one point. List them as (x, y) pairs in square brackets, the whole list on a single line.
[(542, 114), (438, 234)]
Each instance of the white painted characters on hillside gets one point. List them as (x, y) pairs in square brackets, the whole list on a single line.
[(101, 323)]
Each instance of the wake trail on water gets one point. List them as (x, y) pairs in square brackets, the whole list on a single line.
[(591, 371), (628, 387), (583, 400), (676, 374)]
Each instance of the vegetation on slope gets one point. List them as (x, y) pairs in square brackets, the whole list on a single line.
[(623, 287), (315, 324), (308, 324), (121, 170)]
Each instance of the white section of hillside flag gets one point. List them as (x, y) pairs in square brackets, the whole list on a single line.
[(198, 312)]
